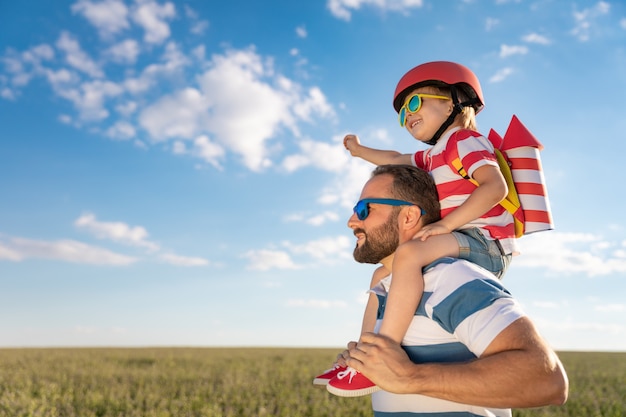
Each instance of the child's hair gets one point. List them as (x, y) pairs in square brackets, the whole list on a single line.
[(467, 116)]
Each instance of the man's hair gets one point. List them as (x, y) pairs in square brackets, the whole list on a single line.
[(414, 185)]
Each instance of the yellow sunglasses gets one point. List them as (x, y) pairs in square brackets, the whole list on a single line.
[(413, 104)]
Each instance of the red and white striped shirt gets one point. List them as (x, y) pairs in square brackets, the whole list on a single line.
[(474, 150)]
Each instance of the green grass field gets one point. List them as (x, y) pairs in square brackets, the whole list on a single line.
[(220, 382)]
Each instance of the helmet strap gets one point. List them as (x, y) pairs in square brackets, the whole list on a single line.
[(456, 109)]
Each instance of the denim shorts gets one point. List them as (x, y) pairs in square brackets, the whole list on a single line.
[(476, 248)]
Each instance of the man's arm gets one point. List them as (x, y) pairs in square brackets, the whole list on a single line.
[(517, 370)]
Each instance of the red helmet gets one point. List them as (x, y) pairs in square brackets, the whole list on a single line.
[(439, 71)]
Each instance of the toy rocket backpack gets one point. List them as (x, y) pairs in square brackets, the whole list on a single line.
[(519, 161)]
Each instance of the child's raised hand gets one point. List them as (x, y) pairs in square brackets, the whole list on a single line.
[(431, 230), (351, 143)]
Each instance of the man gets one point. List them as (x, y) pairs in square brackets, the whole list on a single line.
[(469, 341)]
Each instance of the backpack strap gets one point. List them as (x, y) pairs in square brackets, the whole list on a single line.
[(511, 202)]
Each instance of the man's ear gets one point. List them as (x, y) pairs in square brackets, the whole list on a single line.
[(410, 217)]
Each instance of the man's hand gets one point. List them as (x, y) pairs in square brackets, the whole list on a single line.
[(517, 370), (383, 361)]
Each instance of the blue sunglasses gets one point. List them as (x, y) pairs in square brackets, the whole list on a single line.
[(362, 209)]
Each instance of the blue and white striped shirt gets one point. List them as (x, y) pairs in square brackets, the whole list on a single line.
[(462, 310)]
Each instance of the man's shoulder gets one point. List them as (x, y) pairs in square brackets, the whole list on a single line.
[(456, 272), (448, 263)]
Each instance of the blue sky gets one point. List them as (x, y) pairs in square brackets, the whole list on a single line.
[(171, 173)]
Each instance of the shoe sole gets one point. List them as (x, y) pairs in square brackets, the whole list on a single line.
[(321, 381), (353, 392)]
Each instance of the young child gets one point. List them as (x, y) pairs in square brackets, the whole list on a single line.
[(437, 103)]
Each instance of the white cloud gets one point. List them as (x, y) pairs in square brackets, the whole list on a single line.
[(76, 57), (179, 115), (536, 38), (569, 253), (341, 8), (198, 26), (152, 18), (179, 260), (65, 119), (244, 126), (501, 75), (127, 108), (210, 106), (507, 50), (171, 64), (21, 68), (325, 156), (547, 305), (20, 80), (10, 254), (199, 52), (121, 130), (174, 60), (108, 16), (208, 151), (264, 260), (13, 64), (312, 103), (7, 93), (89, 99), (124, 52), (38, 53), (490, 23), (327, 249), (611, 308), (272, 102), (344, 190), (317, 219), (61, 78), (301, 31), (18, 249), (203, 148), (622, 23), (138, 85), (585, 20), (179, 148), (116, 231)]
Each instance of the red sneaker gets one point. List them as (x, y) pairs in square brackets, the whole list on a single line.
[(350, 383), (328, 375)]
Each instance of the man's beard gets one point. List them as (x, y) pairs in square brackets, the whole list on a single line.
[(379, 243)]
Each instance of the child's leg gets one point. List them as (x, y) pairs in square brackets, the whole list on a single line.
[(371, 309), (407, 283), (369, 323), (476, 248)]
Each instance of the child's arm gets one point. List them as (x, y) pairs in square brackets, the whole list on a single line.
[(491, 190), (375, 156)]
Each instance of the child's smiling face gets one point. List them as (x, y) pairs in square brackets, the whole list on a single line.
[(424, 123)]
